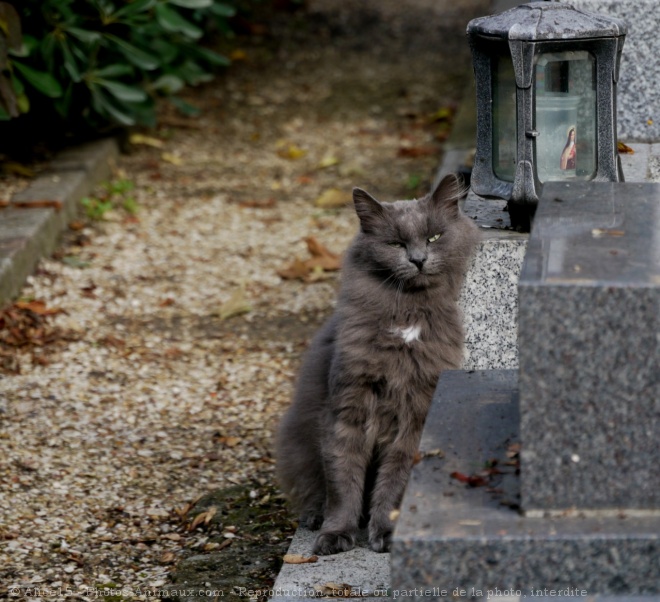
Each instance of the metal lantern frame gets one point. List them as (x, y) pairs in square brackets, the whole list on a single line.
[(526, 33)]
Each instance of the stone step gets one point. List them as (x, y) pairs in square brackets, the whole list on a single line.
[(453, 541)]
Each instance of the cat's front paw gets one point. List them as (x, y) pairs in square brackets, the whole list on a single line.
[(380, 539), (333, 542)]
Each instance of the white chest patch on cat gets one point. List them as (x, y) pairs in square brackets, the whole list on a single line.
[(409, 334)]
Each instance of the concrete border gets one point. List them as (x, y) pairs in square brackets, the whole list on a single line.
[(32, 224)]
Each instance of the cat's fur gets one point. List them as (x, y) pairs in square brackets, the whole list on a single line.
[(347, 444)]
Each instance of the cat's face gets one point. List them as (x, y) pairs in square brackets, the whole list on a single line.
[(410, 242)]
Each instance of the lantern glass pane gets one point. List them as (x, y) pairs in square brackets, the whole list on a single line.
[(565, 116), (504, 118)]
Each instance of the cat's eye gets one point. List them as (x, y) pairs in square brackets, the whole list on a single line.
[(434, 238), (396, 245)]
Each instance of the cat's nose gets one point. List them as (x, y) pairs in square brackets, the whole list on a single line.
[(418, 260)]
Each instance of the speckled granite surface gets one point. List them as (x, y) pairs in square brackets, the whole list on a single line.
[(489, 299), (638, 114), (589, 334)]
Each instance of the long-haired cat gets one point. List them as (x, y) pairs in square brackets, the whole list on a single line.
[(346, 445)]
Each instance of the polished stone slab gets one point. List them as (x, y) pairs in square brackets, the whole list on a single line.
[(589, 339)]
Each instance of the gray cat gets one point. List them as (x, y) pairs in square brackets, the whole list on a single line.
[(346, 446)]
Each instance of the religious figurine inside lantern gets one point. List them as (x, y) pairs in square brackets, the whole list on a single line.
[(567, 160)]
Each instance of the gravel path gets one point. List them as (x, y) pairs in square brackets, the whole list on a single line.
[(144, 392)]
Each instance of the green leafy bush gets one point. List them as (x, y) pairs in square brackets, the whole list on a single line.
[(107, 60)]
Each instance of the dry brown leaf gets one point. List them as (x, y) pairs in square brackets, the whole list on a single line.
[(624, 149), (237, 55), (171, 158), (433, 453), (291, 152), (311, 270), (322, 257), (259, 203), (229, 441), (236, 305), (327, 161), (198, 520), (334, 590), (18, 169), (146, 140), (333, 198), (38, 307), (297, 269), (417, 151), (210, 513), (39, 204), (168, 558), (299, 559), (600, 232)]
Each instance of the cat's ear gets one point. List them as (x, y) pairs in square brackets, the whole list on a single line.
[(368, 209), (447, 194)]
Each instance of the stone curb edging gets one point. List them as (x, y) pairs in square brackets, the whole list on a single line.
[(31, 226)]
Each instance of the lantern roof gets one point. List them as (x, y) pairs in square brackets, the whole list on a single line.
[(549, 20)]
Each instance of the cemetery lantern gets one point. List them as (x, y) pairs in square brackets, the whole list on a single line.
[(546, 76)]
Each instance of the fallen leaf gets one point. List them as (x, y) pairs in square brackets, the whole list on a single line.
[(172, 158), (237, 55), (210, 513), (167, 558), (200, 519), (333, 198), (18, 169), (146, 140), (624, 149), (236, 305), (513, 450), (291, 152), (322, 256), (313, 269), (600, 232), (394, 514), (297, 269), (442, 114), (471, 480), (417, 151), (75, 262), (298, 559), (38, 307), (334, 590), (259, 203), (39, 204), (112, 341), (229, 441), (327, 161), (433, 453)]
